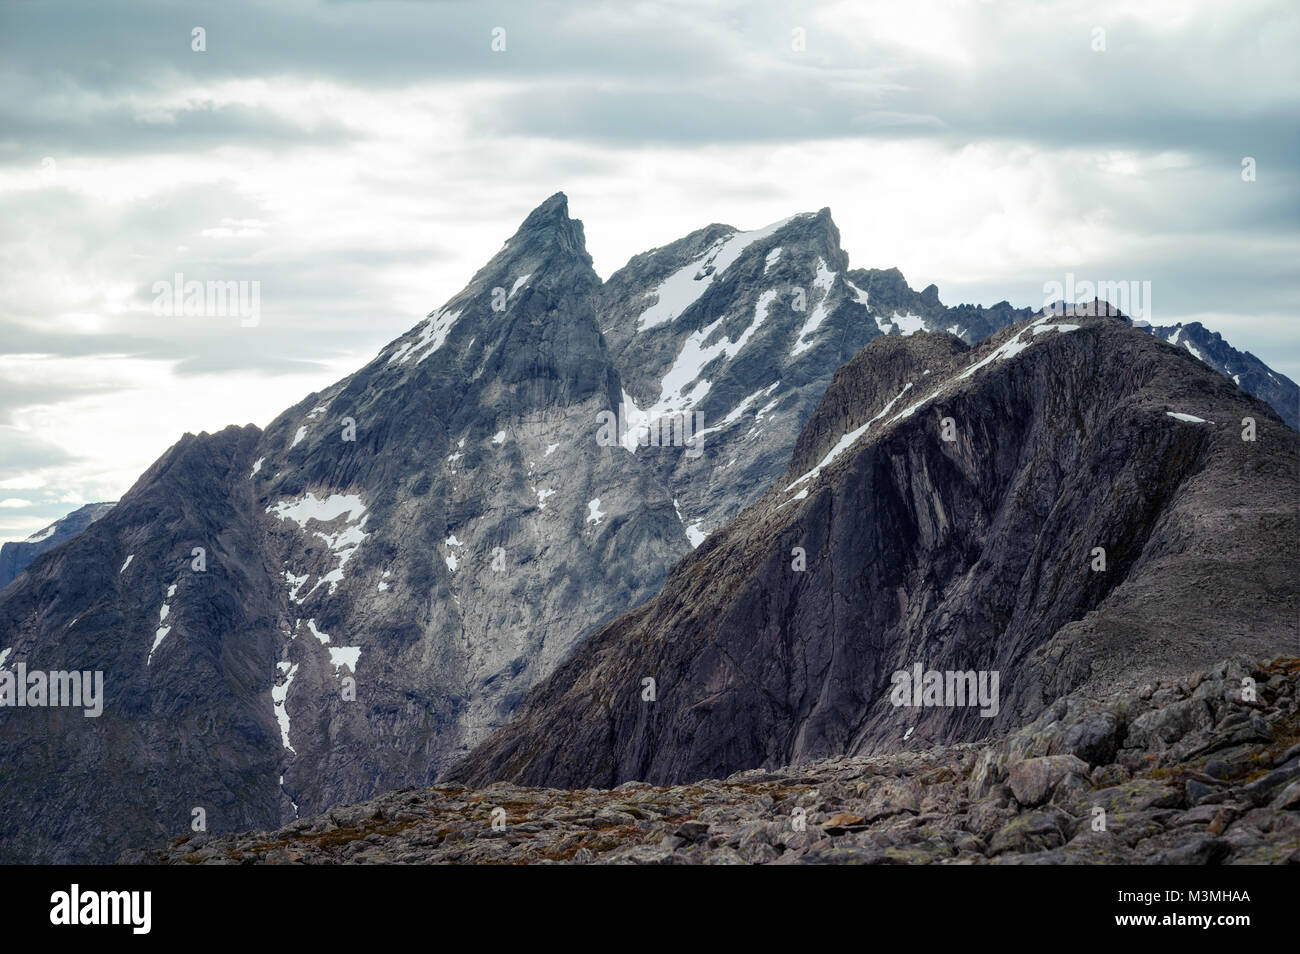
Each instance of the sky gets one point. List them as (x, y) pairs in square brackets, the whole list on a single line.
[(360, 161)]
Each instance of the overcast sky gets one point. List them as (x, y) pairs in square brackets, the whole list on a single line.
[(362, 160)]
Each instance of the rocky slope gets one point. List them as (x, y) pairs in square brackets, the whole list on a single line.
[(1181, 771), (17, 555), (1247, 371), (886, 547)]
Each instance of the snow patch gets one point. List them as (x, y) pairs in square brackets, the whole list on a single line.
[(161, 632), (257, 465), (499, 437), (518, 281), (323, 637), (735, 413), (594, 513), (345, 656), (861, 297), (908, 324), (1189, 418), (129, 558), (1188, 346), (695, 534), (295, 584), (845, 442), (343, 542), (822, 282), (302, 432), (433, 334), (682, 389), (1017, 344), (42, 534), (684, 287), (279, 696)]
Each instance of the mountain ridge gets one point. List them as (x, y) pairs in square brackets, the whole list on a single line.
[(435, 532)]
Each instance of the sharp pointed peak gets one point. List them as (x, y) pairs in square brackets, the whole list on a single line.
[(553, 209), (550, 223)]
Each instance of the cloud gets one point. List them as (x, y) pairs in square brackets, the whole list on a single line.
[(360, 161)]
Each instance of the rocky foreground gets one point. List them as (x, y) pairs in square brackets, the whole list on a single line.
[(1179, 772)]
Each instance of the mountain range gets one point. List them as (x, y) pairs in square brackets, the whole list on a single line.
[(556, 487)]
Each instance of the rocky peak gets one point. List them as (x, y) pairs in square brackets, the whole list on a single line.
[(549, 225)]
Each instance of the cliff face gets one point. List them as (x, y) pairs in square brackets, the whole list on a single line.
[(1069, 434)]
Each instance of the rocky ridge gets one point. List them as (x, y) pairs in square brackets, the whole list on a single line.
[(1246, 371)]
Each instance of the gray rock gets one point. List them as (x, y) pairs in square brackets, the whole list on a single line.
[(1032, 780)]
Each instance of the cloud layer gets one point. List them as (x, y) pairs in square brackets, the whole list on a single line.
[(361, 160)]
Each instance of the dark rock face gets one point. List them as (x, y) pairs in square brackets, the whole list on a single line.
[(1070, 433), (16, 556), (1041, 795), (1247, 371)]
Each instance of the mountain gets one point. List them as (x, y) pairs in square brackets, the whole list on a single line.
[(1247, 371), (16, 556), (886, 548), (351, 600)]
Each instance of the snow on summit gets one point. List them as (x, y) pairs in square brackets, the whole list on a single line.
[(684, 287)]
